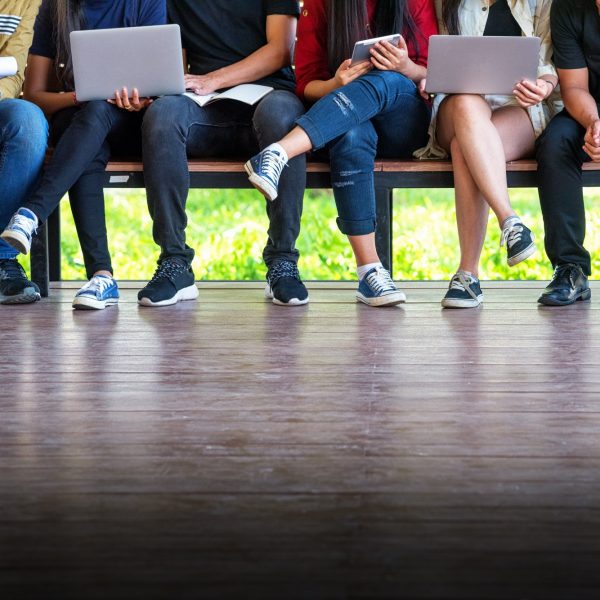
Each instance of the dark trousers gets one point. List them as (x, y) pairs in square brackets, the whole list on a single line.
[(82, 138), (560, 159), (175, 127)]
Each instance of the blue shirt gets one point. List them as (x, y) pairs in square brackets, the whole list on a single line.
[(99, 14)]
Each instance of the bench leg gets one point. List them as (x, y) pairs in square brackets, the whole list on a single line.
[(54, 245), (39, 260), (383, 235)]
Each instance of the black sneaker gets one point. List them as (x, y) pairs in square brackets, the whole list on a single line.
[(464, 291), (15, 288), (569, 284), (284, 285), (173, 281), (518, 239)]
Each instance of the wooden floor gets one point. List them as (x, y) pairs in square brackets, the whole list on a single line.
[(232, 449)]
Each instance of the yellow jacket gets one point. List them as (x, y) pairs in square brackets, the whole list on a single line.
[(16, 33)]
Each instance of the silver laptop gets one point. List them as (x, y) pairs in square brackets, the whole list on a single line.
[(146, 58), (481, 64)]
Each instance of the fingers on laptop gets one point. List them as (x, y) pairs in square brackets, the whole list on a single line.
[(130, 103)]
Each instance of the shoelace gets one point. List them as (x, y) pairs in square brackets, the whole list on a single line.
[(11, 269), (273, 164), (511, 235), (282, 268), (462, 282), (168, 269), (380, 280), (23, 223), (97, 284)]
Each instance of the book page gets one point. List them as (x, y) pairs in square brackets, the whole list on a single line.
[(8, 66)]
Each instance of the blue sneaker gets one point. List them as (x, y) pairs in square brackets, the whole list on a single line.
[(264, 171), (376, 288), (98, 293), (20, 229), (464, 291)]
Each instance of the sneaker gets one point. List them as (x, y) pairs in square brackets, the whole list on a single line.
[(264, 171), (284, 285), (15, 288), (173, 281), (463, 292), (98, 293), (19, 231), (376, 288), (519, 241)]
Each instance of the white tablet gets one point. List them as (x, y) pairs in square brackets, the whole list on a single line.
[(480, 64), (362, 49), (147, 58)]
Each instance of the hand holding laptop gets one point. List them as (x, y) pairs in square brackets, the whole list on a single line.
[(133, 103)]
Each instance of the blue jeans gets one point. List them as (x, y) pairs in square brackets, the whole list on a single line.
[(23, 138), (175, 128), (379, 114)]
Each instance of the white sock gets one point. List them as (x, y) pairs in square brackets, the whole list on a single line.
[(364, 269), (510, 221), (280, 150)]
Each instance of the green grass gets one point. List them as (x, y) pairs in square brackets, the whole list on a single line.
[(227, 228)]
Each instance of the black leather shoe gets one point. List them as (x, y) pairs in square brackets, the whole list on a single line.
[(568, 285)]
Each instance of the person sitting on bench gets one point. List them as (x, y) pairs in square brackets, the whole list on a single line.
[(226, 43), (23, 137), (360, 111), (83, 135), (572, 138)]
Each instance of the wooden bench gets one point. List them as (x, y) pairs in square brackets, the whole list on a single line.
[(227, 174)]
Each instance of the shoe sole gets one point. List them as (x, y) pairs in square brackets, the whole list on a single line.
[(583, 297), (380, 301), (27, 297), (189, 293), (267, 190), (82, 303), (293, 302), (523, 255), (457, 303), (16, 240)]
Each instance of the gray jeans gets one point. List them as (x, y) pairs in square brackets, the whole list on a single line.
[(176, 128)]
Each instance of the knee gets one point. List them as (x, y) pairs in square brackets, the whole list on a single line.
[(278, 112), (95, 112), (361, 139), (562, 140), (26, 121), (466, 107), (162, 118)]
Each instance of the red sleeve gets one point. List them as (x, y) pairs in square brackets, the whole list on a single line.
[(311, 46), (423, 14)]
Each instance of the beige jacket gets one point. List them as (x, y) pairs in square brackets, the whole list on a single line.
[(16, 33), (534, 18)]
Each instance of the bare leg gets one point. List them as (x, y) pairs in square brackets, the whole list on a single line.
[(296, 142), (364, 249), (512, 127)]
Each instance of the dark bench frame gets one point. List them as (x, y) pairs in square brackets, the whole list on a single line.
[(221, 174)]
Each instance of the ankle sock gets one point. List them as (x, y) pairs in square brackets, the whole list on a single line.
[(510, 221), (279, 149), (364, 269)]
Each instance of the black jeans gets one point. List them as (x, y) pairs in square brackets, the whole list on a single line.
[(82, 138), (560, 159), (175, 127)]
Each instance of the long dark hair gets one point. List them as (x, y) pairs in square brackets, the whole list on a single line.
[(347, 24), (68, 17), (450, 15)]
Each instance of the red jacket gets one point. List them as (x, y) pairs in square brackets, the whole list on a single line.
[(311, 47)]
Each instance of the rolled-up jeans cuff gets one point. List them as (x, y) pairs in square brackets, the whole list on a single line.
[(363, 227), (312, 131)]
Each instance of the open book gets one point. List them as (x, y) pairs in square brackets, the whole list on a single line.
[(250, 93), (8, 66)]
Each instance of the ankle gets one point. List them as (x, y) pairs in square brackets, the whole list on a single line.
[(362, 270), (508, 221)]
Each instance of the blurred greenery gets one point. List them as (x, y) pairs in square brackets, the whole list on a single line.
[(227, 228)]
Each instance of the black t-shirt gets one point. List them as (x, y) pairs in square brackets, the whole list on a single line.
[(501, 21), (575, 26), (218, 33)]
